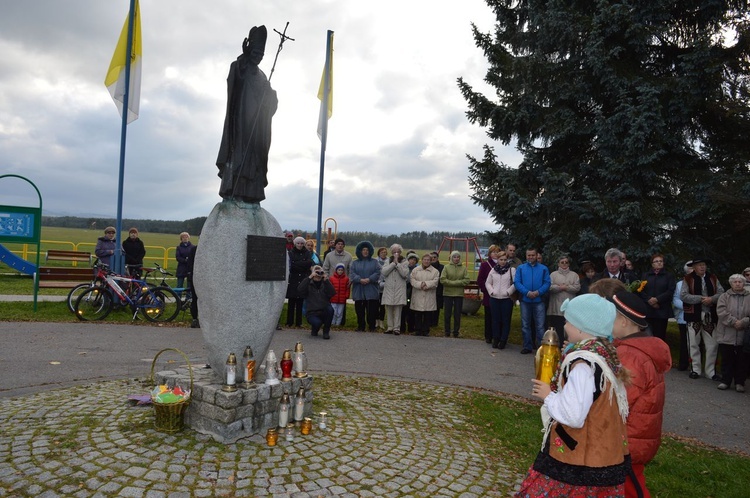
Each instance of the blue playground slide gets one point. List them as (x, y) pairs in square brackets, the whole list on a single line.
[(15, 262)]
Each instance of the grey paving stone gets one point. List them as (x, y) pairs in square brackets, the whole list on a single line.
[(373, 449)]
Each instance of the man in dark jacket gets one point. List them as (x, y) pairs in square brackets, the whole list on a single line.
[(318, 291), (658, 294), (614, 259)]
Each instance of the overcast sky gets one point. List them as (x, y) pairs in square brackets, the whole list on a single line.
[(397, 139)]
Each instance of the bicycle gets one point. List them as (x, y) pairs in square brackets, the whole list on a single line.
[(156, 304), (186, 298), (98, 280)]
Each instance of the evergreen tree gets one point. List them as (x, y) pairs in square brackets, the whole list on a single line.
[(633, 122)]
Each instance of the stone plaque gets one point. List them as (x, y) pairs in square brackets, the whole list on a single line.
[(266, 258)]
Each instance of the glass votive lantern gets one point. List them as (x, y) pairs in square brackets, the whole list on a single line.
[(248, 368), (322, 422), (286, 366), (300, 361), (299, 405), (306, 426), (272, 373), (230, 373), (272, 436), (290, 432), (284, 407)]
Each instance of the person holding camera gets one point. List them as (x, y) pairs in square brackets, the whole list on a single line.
[(318, 291)]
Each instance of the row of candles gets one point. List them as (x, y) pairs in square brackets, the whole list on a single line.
[(290, 361), (288, 429)]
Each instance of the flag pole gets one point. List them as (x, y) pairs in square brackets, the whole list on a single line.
[(118, 263), (324, 132)]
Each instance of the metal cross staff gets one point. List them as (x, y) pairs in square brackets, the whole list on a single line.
[(281, 45)]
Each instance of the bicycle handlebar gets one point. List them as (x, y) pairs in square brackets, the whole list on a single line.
[(162, 270)]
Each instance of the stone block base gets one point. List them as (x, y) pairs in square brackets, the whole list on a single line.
[(230, 416)]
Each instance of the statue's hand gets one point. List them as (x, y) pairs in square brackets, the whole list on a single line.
[(245, 45)]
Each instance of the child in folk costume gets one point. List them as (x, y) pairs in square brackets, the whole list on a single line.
[(341, 284), (584, 450)]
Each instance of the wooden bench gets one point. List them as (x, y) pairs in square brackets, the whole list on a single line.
[(79, 257), (65, 277), (55, 277)]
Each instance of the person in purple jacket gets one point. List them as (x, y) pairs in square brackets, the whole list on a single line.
[(484, 269)]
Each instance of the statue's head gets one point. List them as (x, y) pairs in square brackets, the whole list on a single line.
[(254, 45)]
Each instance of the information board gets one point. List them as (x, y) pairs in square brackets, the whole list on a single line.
[(19, 224)]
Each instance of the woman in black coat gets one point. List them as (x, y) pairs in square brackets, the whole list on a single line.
[(658, 295), (300, 262), (135, 251)]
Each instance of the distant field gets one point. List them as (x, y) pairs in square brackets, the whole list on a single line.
[(160, 247)]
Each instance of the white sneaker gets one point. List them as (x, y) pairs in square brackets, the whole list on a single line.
[(722, 387), (739, 388)]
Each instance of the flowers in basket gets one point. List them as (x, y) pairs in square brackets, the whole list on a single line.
[(637, 286), (166, 395)]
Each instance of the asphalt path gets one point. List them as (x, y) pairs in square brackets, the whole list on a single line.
[(42, 356)]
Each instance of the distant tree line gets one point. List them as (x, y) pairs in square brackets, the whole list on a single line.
[(192, 226), (416, 239)]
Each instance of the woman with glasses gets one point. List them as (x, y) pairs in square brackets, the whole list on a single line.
[(105, 246), (733, 309), (565, 284), (657, 294)]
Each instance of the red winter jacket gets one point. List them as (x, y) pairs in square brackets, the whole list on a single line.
[(647, 358), (341, 285)]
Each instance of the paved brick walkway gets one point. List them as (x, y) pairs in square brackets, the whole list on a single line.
[(385, 438)]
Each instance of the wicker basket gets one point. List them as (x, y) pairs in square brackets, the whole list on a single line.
[(169, 417)]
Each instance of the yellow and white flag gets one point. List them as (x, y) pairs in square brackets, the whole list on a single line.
[(325, 114), (115, 79)]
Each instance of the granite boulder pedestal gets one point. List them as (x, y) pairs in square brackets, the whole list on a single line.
[(240, 278)]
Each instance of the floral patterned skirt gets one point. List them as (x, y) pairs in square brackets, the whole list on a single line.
[(537, 484)]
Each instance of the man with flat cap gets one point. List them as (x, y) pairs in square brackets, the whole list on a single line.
[(699, 294), (647, 358)]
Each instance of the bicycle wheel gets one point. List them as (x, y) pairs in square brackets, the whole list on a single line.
[(160, 304), (94, 304), (77, 291), (74, 293)]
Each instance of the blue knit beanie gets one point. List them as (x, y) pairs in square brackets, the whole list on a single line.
[(590, 313)]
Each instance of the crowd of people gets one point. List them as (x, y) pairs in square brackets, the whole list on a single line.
[(603, 409), (712, 322), (392, 292)]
